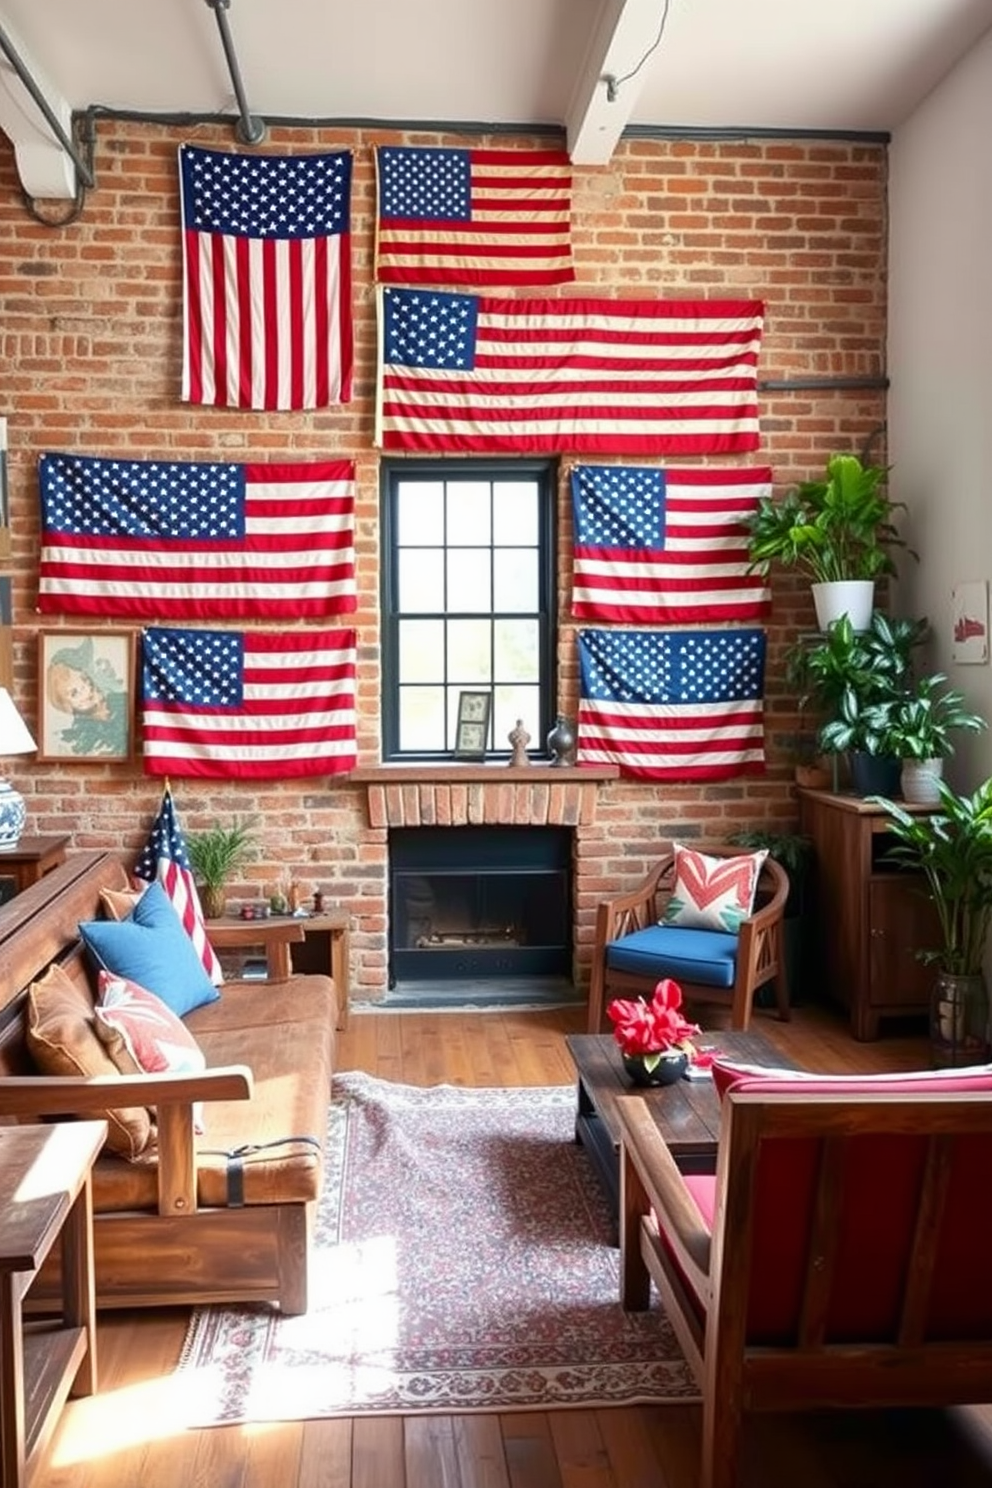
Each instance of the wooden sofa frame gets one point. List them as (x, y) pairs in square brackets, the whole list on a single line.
[(181, 1253)]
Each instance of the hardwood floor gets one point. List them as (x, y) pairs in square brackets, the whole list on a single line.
[(127, 1436)]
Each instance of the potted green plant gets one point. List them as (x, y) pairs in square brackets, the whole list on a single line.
[(920, 728), (952, 848), (214, 856), (838, 530), (853, 679)]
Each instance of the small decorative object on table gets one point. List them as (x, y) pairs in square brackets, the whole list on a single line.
[(562, 742), (519, 739), (655, 1039)]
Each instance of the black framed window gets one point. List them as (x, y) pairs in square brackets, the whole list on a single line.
[(468, 588)]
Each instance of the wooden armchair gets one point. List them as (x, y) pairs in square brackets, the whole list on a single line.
[(839, 1257), (632, 951)]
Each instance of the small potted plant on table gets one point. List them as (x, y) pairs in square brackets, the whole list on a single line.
[(214, 856), (920, 728), (655, 1039)]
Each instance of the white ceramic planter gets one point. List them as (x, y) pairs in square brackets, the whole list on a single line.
[(919, 781), (852, 597)]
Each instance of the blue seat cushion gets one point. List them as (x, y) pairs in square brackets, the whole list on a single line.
[(708, 957)]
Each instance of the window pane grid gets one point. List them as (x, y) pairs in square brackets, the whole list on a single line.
[(443, 632)]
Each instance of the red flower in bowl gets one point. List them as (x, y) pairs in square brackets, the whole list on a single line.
[(650, 1030)]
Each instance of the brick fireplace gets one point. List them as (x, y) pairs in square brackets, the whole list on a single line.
[(557, 806)]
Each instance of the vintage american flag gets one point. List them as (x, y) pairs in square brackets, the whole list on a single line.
[(266, 279), (473, 216), (226, 703), (164, 857), (667, 547), (156, 539), (648, 377), (672, 705)]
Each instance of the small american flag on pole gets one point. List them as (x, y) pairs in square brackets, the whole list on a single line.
[(473, 216), (156, 539), (646, 377), (164, 857), (247, 704), (266, 279), (665, 546), (673, 705)]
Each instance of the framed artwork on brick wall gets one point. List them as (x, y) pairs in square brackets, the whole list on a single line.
[(86, 695)]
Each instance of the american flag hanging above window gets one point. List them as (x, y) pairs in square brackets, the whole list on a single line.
[(451, 217)]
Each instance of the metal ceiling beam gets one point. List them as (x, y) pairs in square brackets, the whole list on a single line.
[(611, 77), (40, 130)]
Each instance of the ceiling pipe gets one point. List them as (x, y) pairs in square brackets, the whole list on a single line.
[(52, 119), (250, 129)]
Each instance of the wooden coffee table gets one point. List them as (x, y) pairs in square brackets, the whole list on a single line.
[(687, 1113)]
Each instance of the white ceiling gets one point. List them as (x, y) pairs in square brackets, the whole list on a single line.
[(734, 64)]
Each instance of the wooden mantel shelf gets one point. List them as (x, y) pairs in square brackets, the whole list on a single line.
[(464, 793), (491, 773)]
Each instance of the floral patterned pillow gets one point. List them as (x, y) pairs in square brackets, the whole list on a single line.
[(142, 1035), (712, 893)]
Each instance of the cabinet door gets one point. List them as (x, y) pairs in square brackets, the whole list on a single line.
[(902, 921)]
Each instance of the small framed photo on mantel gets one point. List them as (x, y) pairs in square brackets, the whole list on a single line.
[(472, 728)]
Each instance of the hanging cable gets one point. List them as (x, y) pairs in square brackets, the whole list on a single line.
[(613, 84)]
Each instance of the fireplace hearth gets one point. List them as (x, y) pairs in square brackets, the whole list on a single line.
[(489, 903)]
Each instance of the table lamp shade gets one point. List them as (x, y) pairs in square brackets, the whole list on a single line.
[(15, 738)]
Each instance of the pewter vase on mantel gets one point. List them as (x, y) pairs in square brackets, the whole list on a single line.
[(562, 741)]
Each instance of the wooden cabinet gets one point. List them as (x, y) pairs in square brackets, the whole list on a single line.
[(871, 916)]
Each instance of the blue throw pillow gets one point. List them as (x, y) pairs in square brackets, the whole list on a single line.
[(151, 947)]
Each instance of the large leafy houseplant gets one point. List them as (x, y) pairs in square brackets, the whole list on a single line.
[(835, 529), (952, 848), (854, 680)]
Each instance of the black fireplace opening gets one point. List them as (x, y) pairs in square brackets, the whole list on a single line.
[(469, 903)]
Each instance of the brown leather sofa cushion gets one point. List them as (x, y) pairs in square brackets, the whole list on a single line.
[(62, 1039)]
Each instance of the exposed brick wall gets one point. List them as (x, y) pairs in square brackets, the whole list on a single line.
[(91, 328)]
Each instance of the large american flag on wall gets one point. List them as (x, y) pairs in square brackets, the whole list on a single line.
[(672, 705), (665, 546), (266, 279), (449, 216), (160, 539), (473, 373), (227, 704)]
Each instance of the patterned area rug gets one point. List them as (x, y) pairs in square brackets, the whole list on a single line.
[(461, 1263)]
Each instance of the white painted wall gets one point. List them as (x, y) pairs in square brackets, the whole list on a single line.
[(940, 366)]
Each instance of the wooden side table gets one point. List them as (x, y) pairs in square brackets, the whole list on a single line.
[(45, 1195), (31, 859), (318, 943)]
